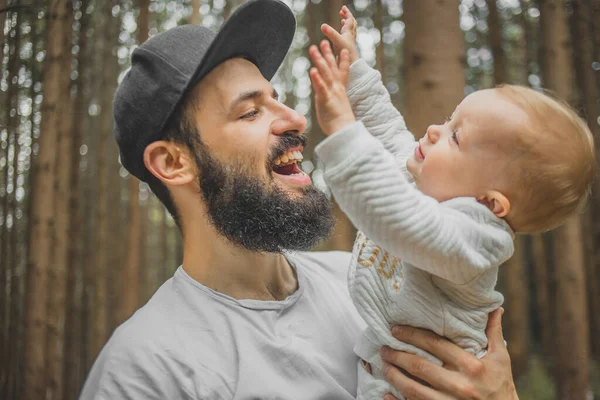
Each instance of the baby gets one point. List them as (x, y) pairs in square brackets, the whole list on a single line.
[(437, 216)]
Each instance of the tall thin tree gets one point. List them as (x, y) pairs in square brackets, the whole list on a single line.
[(130, 293), (100, 328), (585, 34), (569, 268), (378, 20), (57, 273), (42, 219), (74, 301), (434, 62), (10, 224), (195, 17)]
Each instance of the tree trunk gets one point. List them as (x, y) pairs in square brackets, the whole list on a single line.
[(571, 312), (73, 344), (230, 5), (569, 269), (57, 273), (42, 220), (90, 182), (195, 18), (542, 274), (434, 58), (495, 42), (515, 275), (2, 22), (516, 319), (100, 328), (130, 293), (585, 35), (314, 19), (9, 305)]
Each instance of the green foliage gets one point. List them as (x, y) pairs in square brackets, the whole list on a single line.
[(536, 384)]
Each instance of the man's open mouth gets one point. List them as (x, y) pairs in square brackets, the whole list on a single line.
[(287, 164)]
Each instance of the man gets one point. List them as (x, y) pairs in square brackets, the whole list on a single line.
[(248, 315)]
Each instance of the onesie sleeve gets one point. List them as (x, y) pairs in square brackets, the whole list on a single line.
[(456, 240), (372, 105)]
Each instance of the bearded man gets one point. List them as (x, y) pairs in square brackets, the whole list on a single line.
[(250, 314)]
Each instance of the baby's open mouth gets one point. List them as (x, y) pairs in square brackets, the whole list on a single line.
[(287, 164)]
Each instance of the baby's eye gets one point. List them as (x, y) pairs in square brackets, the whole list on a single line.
[(455, 136)]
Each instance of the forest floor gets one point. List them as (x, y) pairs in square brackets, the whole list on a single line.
[(537, 384)]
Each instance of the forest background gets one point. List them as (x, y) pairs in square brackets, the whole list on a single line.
[(83, 244)]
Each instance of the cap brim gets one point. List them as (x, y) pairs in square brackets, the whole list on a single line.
[(260, 31)]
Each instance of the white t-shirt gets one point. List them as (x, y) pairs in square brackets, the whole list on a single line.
[(191, 342)]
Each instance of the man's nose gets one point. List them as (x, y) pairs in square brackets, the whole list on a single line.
[(288, 121), (433, 132)]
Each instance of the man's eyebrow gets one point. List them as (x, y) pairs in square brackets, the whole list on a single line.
[(249, 95)]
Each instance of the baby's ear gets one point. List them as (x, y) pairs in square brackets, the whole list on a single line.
[(496, 202)]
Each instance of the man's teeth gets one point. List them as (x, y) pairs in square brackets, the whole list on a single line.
[(289, 157)]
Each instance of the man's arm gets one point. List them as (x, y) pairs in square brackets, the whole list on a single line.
[(463, 376), (129, 369)]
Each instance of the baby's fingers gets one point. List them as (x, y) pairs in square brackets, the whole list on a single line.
[(344, 66), (336, 38), (348, 22), (320, 63), (328, 55), (317, 81)]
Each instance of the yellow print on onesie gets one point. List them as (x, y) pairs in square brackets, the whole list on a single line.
[(386, 266)]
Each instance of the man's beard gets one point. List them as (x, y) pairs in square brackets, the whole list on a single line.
[(257, 215)]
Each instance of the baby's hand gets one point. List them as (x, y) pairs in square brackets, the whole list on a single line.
[(346, 39), (329, 81)]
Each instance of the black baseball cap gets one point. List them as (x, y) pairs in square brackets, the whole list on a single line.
[(167, 66)]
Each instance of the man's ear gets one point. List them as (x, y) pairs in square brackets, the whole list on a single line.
[(168, 162), (496, 202)]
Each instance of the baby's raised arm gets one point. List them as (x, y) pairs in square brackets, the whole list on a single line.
[(369, 99)]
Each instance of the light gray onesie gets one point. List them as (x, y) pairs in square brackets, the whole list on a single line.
[(416, 261)]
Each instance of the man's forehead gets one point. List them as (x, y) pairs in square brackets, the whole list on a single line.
[(230, 78)]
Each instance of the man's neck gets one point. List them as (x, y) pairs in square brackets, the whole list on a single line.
[(229, 269)]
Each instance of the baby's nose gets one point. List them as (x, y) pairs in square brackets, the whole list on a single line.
[(433, 132)]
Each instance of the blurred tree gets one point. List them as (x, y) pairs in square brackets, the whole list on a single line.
[(10, 224), (11, 99), (516, 320), (42, 219), (513, 272), (495, 42), (195, 18), (100, 310), (57, 280), (584, 31), (74, 302), (569, 264), (434, 74), (380, 53), (130, 290)]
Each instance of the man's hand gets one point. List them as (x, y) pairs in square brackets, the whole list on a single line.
[(463, 376), (346, 39), (329, 80)]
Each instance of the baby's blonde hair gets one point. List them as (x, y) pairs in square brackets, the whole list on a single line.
[(554, 163)]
